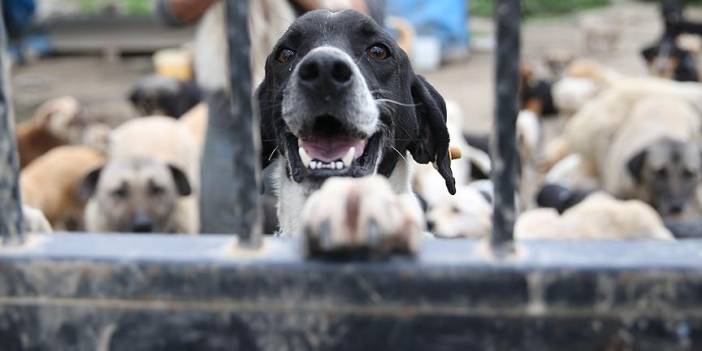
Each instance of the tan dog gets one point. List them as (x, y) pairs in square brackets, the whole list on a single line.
[(53, 124), (592, 130), (139, 195), (655, 157), (598, 217), (150, 182), (468, 214), (51, 184)]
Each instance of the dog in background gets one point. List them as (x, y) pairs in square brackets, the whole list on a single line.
[(598, 217), (51, 184), (161, 96), (671, 62), (149, 183), (55, 123), (655, 156)]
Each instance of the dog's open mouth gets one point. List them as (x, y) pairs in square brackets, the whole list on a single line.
[(330, 148)]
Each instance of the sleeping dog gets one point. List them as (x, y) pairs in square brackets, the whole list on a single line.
[(340, 99)]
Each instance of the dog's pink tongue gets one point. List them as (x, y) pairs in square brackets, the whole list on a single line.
[(332, 149)]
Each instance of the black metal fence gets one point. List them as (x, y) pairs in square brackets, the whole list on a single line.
[(127, 292)]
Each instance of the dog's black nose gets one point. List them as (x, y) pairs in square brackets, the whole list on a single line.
[(324, 72), (142, 225)]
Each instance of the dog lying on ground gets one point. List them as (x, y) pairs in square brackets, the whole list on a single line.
[(598, 217), (655, 156), (50, 184), (340, 99), (591, 131), (149, 183), (468, 214)]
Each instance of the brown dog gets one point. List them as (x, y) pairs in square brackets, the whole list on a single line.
[(51, 126), (51, 182)]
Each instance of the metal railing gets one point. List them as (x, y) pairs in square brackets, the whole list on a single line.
[(11, 223), (504, 144)]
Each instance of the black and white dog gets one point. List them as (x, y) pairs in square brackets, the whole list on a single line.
[(340, 99)]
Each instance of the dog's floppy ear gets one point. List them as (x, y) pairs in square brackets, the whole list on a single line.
[(266, 124), (432, 142), (87, 186), (635, 165), (181, 181)]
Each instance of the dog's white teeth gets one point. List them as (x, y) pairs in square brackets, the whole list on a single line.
[(306, 159), (339, 165), (313, 165), (348, 158)]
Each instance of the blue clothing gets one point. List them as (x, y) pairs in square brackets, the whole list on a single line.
[(445, 19), (18, 15)]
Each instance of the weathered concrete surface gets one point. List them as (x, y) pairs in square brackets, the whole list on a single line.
[(90, 292), (10, 201)]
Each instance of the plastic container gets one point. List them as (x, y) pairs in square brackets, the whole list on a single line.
[(174, 63)]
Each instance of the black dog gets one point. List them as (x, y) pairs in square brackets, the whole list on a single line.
[(340, 99), (156, 95)]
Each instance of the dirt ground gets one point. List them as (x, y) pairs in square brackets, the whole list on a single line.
[(97, 82), (103, 85)]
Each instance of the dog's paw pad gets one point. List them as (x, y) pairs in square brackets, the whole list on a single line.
[(361, 216)]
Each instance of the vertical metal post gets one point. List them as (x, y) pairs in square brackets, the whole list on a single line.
[(504, 143), (247, 146), (10, 201)]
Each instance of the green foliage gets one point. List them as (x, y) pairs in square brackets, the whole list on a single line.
[(539, 7), (139, 7), (126, 7)]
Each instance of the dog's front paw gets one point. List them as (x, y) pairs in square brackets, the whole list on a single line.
[(361, 217)]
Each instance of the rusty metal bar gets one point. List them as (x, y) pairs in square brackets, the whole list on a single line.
[(10, 199), (247, 174), (508, 20)]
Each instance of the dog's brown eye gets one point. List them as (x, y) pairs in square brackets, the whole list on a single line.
[(688, 174), (378, 52), (285, 55)]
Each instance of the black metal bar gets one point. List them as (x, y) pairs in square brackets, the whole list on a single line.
[(80, 292), (10, 199), (247, 173), (508, 18)]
